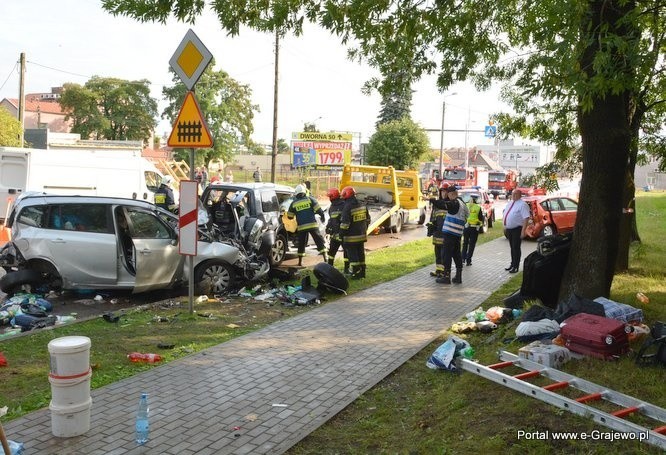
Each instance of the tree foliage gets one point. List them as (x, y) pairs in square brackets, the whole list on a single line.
[(110, 108), (226, 106), (283, 146), (398, 143), (396, 103), (580, 74), (10, 129)]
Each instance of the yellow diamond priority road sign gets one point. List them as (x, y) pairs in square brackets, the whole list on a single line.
[(190, 59), (190, 129)]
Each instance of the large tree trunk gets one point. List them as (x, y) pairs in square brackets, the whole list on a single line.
[(628, 229), (606, 140)]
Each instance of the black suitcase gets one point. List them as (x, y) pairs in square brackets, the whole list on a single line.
[(550, 244), (542, 274)]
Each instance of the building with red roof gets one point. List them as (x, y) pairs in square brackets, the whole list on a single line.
[(42, 111)]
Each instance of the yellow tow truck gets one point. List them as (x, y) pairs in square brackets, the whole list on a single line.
[(393, 197)]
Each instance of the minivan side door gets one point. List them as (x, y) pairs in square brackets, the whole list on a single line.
[(158, 262), (81, 243)]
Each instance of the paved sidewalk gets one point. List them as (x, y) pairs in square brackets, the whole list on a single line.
[(282, 382)]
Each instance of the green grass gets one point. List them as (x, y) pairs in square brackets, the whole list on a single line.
[(420, 411), (414, 410)]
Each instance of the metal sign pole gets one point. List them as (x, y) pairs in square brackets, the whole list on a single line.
[(190, 278)]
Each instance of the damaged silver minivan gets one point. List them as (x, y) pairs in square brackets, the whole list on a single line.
[(85, 242)]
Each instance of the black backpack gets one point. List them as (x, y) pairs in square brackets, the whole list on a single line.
[(653, 350)]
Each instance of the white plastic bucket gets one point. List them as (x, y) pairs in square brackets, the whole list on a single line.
[(69, 421), (70, 356), (71, 391)]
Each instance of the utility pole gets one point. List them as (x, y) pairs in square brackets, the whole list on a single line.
[(21, 107), (275, 106)]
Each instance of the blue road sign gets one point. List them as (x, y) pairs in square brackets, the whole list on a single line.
[(491, 131)]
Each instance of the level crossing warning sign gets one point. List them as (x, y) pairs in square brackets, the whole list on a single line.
[(190, 129)]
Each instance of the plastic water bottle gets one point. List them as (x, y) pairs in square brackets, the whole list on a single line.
[(142, 423)]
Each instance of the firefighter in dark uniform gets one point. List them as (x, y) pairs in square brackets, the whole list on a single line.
[(435, 230), (164, 195), (453, 227), (471, 233), (333, 227), (304, 208), (354, 222)]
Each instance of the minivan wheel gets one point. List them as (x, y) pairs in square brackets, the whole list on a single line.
[(279, 249), (21, 280), (213, 277), (50, 276)]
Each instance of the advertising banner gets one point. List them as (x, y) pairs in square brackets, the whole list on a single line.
[(321, 154)]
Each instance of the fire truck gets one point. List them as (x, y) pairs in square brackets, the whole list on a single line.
[(456, 175), (502, 182)]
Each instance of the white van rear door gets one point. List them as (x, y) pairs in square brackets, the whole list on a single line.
[(13, 178)]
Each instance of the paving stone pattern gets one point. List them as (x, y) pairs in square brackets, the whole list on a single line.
[(263, 392)]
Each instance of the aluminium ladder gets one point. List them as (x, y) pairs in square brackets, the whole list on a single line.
[(613, 420)]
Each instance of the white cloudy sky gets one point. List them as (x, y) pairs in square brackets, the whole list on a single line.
[(71, 40)]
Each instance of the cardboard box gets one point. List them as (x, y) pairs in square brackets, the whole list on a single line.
[(550, 355)]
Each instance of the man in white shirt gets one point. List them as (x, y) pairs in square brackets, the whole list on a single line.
[(516, 214)]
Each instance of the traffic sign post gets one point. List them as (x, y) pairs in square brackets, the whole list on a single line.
[(187, 218), (190, 131)]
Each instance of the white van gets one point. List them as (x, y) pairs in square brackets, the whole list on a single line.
[(78, 171)]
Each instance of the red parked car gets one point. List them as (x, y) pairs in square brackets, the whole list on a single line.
[(531, 191), (550, 215)]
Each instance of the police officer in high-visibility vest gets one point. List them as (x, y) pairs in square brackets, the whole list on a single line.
[(453, 227), (471, 232), (164, 195), (354, 222), (435, 231), (333, 228), (304, 208)]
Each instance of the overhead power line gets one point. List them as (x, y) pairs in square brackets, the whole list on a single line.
[(9, 75), (59, 70)]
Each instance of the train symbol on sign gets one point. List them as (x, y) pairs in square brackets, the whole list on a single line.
[(189, 129)]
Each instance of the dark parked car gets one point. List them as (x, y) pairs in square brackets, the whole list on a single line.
[(261, 200)]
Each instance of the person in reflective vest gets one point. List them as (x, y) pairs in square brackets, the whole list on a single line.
[(164, 195), (354, 221), (304, 208), (453, 227), (435, 230), (471, 232), (333, 228)]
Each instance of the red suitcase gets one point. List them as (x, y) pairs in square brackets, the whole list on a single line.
[(596, 336)]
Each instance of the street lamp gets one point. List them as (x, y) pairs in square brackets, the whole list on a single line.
[(441, 139)]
